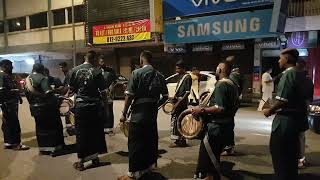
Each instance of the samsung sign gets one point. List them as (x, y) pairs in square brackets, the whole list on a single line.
[(180, 8), (244, 25)]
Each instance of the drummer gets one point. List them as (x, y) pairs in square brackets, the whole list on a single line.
[(183, 86), (220, 116)]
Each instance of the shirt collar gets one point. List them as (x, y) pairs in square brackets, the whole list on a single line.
[(288, 69)]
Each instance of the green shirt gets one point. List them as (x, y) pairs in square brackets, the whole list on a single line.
[(8, 88), (41, 84), (226, 97), (290, 89)]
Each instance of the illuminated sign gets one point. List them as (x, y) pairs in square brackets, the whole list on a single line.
[(122, 32)]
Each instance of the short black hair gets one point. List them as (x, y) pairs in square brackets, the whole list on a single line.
[(147, 55), (38, 68), (228, 66), (293, 55), (5, 62), (181, 64), (101, 56), (46, 71), (63, 64), (91, 55)]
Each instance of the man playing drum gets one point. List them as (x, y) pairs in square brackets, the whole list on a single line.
[(183, 86), (220, 122), (143, 93)]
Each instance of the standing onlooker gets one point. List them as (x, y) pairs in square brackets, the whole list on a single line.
[(309, 90), (143, 94), (44, 108), (64, 68), (267, 88), (290, 108), (109, 77), (195, 89), (90, 88), (9, 100)]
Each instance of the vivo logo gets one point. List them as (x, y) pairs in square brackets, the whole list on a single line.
[(198, 3)]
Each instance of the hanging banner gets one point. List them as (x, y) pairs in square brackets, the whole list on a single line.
[(122, 32), (244, 25), (180, 8)]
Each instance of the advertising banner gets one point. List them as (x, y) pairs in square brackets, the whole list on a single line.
[(180, 8), (122, 32), (244, 25)]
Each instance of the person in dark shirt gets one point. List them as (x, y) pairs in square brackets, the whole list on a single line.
[(54, 82), (220, 123), (109, 76), (290, 108), (145, 88), (44, 107), (9, 101), (89, 86)]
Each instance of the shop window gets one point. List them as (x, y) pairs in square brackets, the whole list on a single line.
[(38, 20), (59, 17), (18, 24), (79, 14), (1, 27)]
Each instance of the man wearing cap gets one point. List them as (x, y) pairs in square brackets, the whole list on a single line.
[(183, 87), (290, 109)]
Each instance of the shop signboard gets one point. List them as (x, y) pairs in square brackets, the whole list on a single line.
[(202, 48), (302, 39), (122, 32), (243, 25), (233, 46), (180, 8), (175, 49)]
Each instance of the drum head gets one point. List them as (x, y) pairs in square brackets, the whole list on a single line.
[(168, 108), (72, 119), (190, 127), (64, 107)]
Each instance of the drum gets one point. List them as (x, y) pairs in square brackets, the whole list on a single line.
[(65, 107), (189, 126), (124, 127), (168, 107)]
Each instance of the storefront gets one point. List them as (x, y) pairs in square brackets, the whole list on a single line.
[(225, 28)]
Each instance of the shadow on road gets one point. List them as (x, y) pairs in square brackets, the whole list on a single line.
[(6, 158)]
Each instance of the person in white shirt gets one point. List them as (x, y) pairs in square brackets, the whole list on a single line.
[(267, 88)]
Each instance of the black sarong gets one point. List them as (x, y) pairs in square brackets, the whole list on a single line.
[(108, 115), (49, 129), (219, 135), (89, 130), (143, 138), (10, 124)]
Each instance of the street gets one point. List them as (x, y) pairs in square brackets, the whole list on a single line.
[(252, 159)]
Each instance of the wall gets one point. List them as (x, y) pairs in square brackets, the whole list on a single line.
[(314, 68), (26, 38), (307, 23), (65, 33), (58, 4), (1, 40), (1, 10), (18, 8)]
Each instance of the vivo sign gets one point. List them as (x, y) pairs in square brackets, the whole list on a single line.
[(198, 3), (180, 8)]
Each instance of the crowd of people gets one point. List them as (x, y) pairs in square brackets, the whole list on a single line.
[(146, 93)]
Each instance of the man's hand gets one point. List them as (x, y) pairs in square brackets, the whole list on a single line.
[(267, 112), (123, 118), (196, 111)]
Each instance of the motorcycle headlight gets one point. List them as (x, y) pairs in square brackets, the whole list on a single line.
[(314, 109)]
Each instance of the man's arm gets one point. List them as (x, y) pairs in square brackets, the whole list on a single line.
[(127, 102)]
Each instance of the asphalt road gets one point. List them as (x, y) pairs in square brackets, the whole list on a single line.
[(252, 160)]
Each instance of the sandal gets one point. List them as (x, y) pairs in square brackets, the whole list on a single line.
[(96, 162), (20, 147), (125, 178), (78, 166)]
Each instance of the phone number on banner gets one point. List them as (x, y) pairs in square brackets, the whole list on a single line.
[(115, 39)]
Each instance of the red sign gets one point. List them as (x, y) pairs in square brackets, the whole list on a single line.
[(122, 32)]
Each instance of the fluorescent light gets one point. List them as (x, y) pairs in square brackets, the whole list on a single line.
[(303, 52), (30, 61)]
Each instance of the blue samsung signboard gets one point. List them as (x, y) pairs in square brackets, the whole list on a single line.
[(180, 8), (244, 25)]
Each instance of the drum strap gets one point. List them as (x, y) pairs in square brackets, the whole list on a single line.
[(181, 81), (210, 153)]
